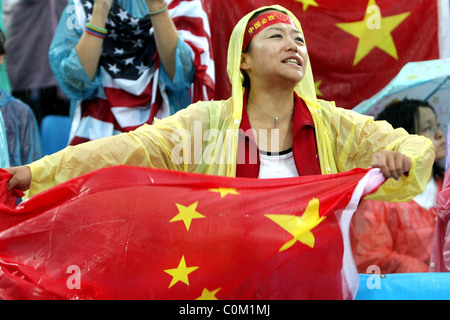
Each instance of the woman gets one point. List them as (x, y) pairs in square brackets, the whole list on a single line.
[(124, 63), (398, 237), (280, 102)]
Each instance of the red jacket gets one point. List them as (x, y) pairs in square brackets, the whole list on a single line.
[(395, 236), (304, 143)]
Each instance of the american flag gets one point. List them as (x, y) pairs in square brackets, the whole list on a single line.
[(130, 68)]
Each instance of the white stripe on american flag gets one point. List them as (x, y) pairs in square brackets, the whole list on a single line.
[(131, 117), (135, 87), (200, 42), (191, 9), (91, 128)]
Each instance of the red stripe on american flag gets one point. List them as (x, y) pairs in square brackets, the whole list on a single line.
[(78, 140), (192, 24), (97, 109), (121, 98)]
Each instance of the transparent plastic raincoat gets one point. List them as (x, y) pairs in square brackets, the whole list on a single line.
[(4, 79), (203, 138), (22, 130), (4, 156)]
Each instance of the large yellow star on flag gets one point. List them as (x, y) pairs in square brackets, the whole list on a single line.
[(374, 32), (300, 227), (186, 214), (208, 295), (307, 3), (180, 273), (224, 191)]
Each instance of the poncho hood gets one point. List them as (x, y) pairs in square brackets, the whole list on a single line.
[(305, 88)]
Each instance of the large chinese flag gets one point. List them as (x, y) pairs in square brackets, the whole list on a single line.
[(356, 46), (139, 233)]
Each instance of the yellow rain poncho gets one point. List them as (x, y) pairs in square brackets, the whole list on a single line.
[(203, 138)]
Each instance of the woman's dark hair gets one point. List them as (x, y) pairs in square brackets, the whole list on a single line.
[(2, 42), (405, 114)]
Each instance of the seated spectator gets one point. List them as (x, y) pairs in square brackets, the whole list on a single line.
[(29, 26), (397, 237), (22, 131)]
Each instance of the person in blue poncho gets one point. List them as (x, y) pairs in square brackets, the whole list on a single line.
[(22, 130), (29, 28), (4, 80), (125, 63)]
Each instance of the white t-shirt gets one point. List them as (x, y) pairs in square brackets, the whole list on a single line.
[(427, 199), (277, 165)]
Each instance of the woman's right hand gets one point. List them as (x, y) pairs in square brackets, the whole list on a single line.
[(21, 178)]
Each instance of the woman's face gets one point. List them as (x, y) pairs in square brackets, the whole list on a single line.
[(277, 52), (430, 127)]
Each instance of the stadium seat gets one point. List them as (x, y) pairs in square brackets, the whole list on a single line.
[(55, 133)]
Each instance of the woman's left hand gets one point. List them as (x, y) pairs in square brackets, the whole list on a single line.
[(391, 163)]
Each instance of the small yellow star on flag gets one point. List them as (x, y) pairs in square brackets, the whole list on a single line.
[(307, 3), (299, 227), (374, 32), (180, 273), (186, 214), (224, 191), (208, 295)]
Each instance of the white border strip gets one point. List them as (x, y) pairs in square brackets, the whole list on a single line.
[(373, 179), (444, 28)]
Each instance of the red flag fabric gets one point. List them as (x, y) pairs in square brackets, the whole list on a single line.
[(139, 233), (355, 47)]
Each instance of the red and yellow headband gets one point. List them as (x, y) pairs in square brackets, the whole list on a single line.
[(263, 21)]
